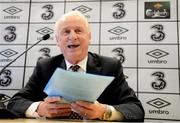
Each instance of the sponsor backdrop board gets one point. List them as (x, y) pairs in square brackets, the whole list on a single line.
[(142, 34)]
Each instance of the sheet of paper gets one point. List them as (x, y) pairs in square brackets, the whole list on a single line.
[(73, 86)]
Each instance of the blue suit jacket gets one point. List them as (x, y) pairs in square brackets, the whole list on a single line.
[(117, 94)]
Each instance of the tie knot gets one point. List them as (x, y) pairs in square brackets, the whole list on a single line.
[(75, 68)]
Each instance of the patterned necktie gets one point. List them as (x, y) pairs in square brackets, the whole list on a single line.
[(75, 68), (74, 115)]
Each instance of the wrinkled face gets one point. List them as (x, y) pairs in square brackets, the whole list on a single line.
[(73, 38)]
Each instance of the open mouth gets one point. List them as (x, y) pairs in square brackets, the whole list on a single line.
[(73, 46)]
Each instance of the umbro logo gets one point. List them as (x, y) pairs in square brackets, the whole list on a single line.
[(118, 30), (8, 53), (158, 103), (83, 9), (12, 10), (44, 31), (157, 53)]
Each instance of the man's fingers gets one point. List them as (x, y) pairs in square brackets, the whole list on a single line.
[(85, 104), (52, 99)]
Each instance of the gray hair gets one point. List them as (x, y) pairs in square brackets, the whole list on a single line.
[(71, 13)]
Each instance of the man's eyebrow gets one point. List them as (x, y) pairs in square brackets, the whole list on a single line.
[(75, 27)]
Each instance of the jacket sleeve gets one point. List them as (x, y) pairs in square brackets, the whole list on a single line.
[(119, 95), (32, 92)]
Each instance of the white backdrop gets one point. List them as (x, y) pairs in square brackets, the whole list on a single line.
[(143, 34)]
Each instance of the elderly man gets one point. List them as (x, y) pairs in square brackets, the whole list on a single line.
[(118, 102)]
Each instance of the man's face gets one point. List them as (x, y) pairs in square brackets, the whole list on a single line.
[(73, 38)]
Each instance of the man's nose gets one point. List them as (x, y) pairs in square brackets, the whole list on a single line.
[(72, 35)]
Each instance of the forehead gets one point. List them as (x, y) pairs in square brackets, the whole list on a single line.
[(72, 21)]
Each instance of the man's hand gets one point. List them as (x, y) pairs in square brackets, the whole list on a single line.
[(89, 110), (53, 107)]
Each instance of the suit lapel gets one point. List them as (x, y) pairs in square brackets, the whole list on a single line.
[(93, 64), (59, 62), (63, 64)]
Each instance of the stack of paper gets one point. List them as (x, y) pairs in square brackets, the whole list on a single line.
[(73, 86)]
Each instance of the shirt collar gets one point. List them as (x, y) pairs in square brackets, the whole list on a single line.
[(82, 64)]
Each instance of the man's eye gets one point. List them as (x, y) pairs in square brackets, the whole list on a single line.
[(66, 31), (78, 31)]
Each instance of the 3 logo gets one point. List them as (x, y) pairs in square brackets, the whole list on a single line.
[(45, 53), (5, 78), (120, 13), (159, 82), (11, 36), (159, 34), (119, 54), (48, 12)]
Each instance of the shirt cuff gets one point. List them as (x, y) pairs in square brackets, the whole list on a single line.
[(116, 115), (31, 111)]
